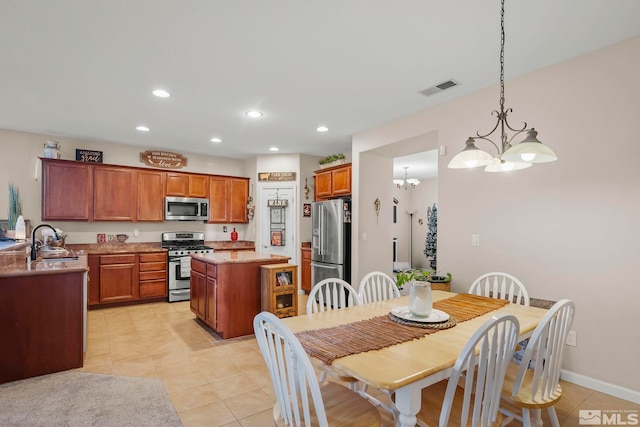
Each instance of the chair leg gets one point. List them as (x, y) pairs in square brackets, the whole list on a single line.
[(323, 377), (553, 416), (537, 417), (526, 417)]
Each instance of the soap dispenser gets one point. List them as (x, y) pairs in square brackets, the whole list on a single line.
[(234, 234)]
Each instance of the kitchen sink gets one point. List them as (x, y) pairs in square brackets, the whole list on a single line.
[(59, 259)]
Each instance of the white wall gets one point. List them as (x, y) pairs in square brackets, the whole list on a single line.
[(567, 229)]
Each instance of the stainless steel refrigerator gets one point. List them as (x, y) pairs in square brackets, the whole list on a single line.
[(331, 240)]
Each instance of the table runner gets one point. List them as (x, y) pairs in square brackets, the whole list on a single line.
[(328, 344)]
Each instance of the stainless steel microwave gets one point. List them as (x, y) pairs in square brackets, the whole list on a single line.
[(186, 209)]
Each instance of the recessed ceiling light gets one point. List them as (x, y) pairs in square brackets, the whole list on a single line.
[(143, 128), (216, 140), (161, 93), (322, 128), (274, 149), (254, 114)]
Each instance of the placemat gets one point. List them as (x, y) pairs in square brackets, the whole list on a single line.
[(328, 344)]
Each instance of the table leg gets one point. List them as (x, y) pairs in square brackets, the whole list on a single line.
[(408, 401)]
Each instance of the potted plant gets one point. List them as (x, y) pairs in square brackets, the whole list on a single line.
[(15, 209), (431, 242), (420, 275), (333, 159)]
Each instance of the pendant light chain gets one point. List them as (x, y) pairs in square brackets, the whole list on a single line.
[(503, 115)]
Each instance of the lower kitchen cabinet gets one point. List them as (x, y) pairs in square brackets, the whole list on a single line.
[(198, 289), (305, 268), (152, 274), (126, 278), (118, 278)]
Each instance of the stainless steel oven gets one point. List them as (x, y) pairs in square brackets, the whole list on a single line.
[(180, 245)]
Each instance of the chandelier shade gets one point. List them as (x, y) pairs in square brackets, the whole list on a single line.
[(508, 157), (530, 150)]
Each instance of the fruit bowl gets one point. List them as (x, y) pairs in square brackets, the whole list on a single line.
[(122, 237)]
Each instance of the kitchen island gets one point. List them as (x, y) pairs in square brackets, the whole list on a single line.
[(43, 315), (225, 289)]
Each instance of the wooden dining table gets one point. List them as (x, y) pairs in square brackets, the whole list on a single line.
[(410, 366)]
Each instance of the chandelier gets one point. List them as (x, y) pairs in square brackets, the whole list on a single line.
[(509, 157), (406, 183)]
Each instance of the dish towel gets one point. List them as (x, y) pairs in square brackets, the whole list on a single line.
[(185, 266)]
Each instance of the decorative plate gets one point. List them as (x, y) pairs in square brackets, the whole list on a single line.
[(436, 315)]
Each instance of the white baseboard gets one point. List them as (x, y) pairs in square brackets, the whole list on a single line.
[(601, 386)]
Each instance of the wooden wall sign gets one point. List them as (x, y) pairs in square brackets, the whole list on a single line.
[(88, 156), (163, 159), (276, 176)]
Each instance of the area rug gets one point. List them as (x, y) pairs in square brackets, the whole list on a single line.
[(73, 399)]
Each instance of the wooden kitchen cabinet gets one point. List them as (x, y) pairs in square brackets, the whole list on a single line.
[(115, 192), (67, 190), (305, 270), (211, 301), (332, 182), (198, 284), (152, 275), (279, 286), (151, 185), (228, 199), (187, 185), (93, 285), (118, 278)]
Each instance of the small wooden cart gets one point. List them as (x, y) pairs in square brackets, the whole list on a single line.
[(280, 289)]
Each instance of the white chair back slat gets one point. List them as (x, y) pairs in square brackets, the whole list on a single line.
[(331, 294), (493, 342), (545, 351), (500, 285), (377, 286)]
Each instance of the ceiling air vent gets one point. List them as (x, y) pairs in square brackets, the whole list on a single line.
[(439, 87)]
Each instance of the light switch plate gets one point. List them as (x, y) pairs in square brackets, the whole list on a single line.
[(475, 240)]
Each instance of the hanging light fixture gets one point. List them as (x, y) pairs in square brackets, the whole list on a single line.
[(406, 183), (509, 157)]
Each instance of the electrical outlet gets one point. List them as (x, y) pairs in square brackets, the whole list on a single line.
[(475, 240), (136, 232), (572, 339), (224, 228)]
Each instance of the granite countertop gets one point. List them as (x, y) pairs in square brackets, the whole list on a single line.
[(115, 248), (229, 245), (238, 257), (23, 267)]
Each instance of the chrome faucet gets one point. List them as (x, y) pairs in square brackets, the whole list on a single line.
[(33, 239)]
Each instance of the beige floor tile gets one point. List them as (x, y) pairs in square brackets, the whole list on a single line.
[(213, 414), (140, 366), (233, 386), (218, 371), (250, 403), (193, 397), (183, 380), (261, 419), (175, 368), (127, 350)]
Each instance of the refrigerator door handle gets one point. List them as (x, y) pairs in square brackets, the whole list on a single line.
[(322, 230)]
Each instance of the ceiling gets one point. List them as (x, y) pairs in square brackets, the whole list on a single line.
[(86, 68)]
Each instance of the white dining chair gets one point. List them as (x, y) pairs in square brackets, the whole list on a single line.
[(474, 399), (377, 286), (534, 384), (331, 294), (500, 285), (300, 398)]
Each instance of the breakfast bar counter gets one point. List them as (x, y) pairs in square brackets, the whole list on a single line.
[(225, 289)]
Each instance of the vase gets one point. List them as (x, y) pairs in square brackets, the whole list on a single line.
[(420, 301), (52, 150)]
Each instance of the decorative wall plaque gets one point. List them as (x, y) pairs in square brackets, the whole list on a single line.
[(90, 156), (163, 159), (276, 176)]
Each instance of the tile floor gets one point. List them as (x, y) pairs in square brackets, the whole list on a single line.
[(214, 382)]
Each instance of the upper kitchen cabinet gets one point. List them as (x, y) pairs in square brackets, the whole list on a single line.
[(332, 182), (228, 199), (115, 194), (187, 185), (151, 185), (67, 190)]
